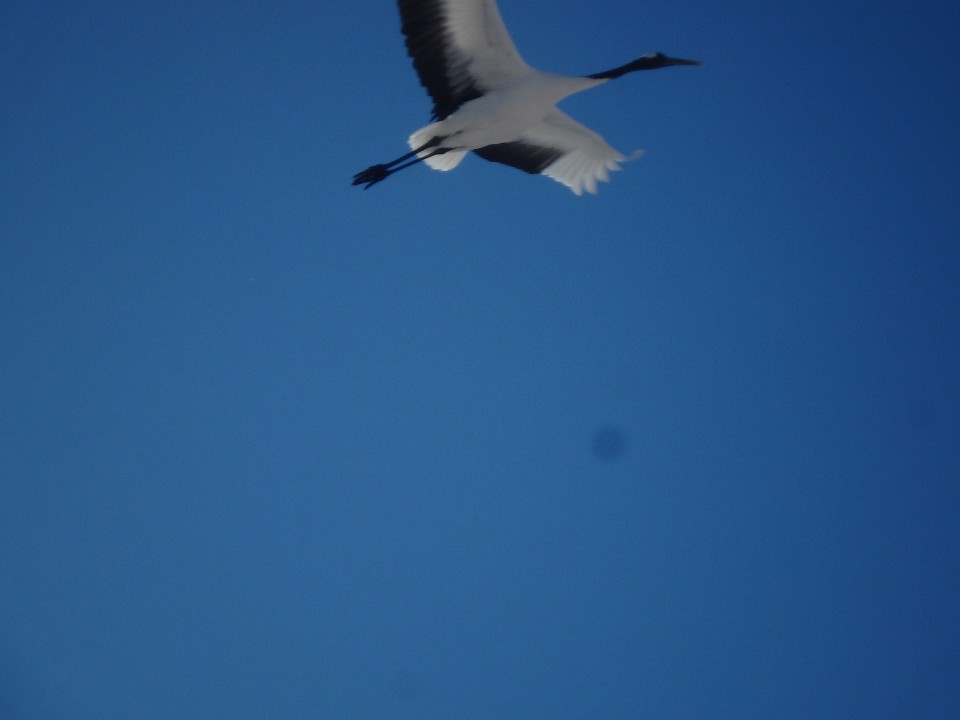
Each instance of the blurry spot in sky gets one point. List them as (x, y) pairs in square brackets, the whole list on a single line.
[(609, 443)]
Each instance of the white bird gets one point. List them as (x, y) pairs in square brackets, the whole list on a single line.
[(488, 100)]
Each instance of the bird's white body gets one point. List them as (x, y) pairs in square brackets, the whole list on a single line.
[(512, 113), (489, 101)]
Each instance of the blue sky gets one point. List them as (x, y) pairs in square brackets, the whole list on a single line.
[(274, 446)]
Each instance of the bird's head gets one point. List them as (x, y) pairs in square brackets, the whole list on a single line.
[(652, 61)]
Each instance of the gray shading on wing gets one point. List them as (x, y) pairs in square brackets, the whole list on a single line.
[(460, 49), (560, 148)]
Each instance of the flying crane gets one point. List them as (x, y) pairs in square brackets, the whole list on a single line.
[(488, 100)]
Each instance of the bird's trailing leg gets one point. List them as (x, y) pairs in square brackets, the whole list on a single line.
[(376, 173)]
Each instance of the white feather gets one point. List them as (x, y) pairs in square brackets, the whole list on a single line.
[(481, 39), (587, 157)]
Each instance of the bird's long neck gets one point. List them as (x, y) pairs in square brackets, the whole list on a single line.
[(616, 72), (647, 62)]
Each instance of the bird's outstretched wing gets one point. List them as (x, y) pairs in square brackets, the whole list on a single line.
[(561, 148), (460, 49)]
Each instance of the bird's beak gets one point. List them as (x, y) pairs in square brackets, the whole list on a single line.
[(680, 61)]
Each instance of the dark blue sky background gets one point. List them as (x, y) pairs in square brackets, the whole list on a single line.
[(275, 447)]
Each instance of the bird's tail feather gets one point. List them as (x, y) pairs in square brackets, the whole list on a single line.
[(443, 161)]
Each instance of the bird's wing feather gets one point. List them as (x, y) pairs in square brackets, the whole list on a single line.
[(522, 155), (460, 49), (561, 148)]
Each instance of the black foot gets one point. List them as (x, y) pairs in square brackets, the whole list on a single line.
[(371, 176)]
